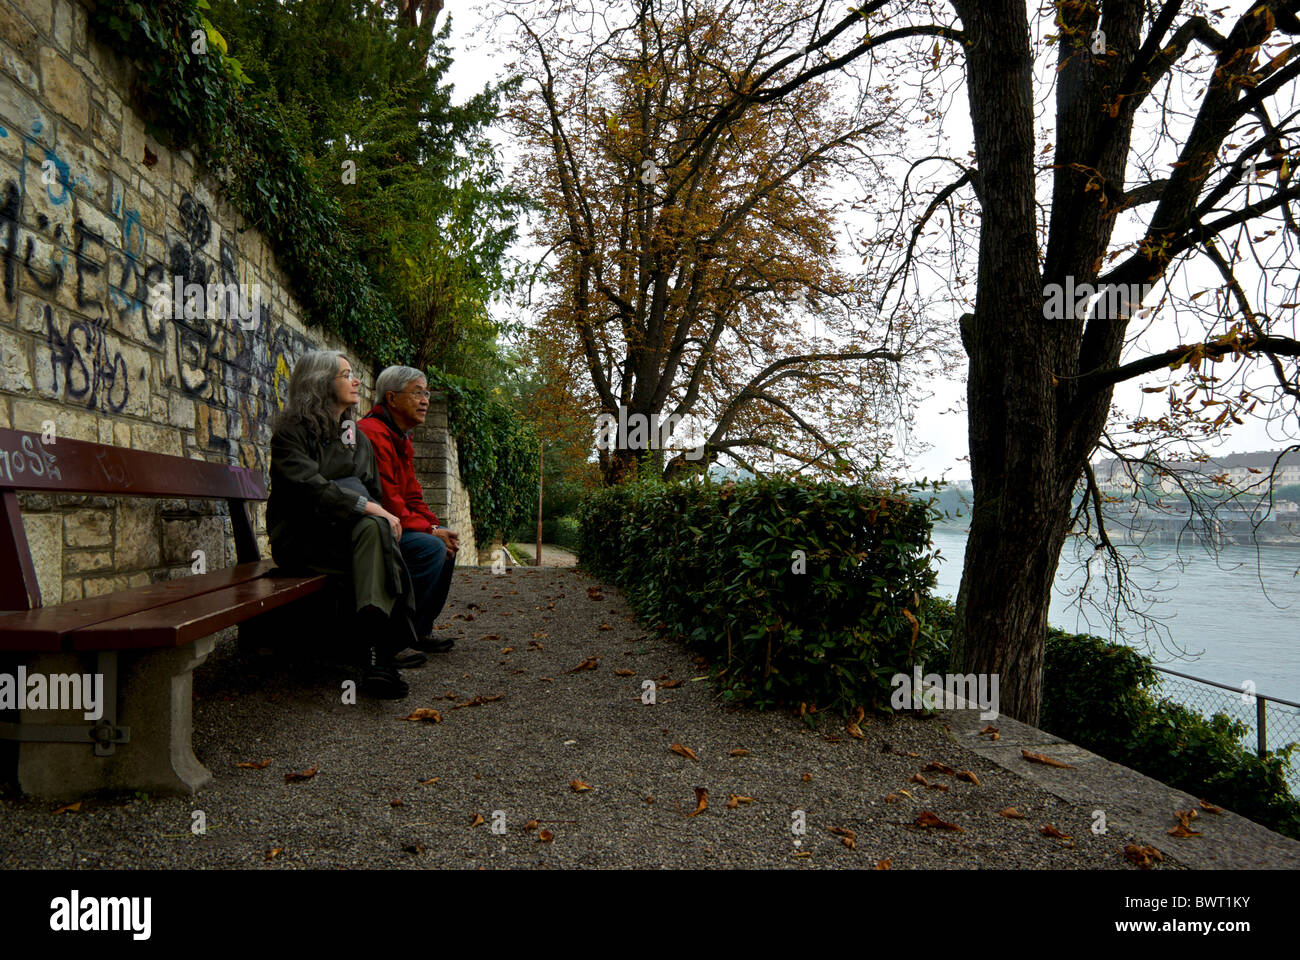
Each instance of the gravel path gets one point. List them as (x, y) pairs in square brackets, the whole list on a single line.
[(520, 637)]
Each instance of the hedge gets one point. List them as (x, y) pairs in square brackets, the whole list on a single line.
[(796, 591)]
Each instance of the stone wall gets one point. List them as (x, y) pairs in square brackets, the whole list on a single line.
[(437, 464), (93, 214)]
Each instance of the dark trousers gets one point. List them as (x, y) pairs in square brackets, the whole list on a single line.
[(431, 567)]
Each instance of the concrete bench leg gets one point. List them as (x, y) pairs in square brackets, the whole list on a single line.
[(154, 701)]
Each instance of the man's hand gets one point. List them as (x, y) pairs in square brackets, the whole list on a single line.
[(450, 539)]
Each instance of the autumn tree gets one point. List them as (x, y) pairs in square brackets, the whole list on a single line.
[(1162, 165), (691, 257)]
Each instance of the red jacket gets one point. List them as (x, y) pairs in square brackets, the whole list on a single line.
[(395, 458)]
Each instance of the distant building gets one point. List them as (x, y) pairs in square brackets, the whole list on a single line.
[(1116, 477)]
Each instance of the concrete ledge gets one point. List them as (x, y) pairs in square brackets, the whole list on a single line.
[(1131, 801)]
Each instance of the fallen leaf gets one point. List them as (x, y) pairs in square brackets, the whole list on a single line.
[(274, 852), (425, 783), (928, 819), (885, 864), (910, 753), (649, 799), (588, 664), (1182, 832), (534, 645), (854, 730), (701, 801), (1209, 807), (579, 787), (803, 853), (625, 673), (1044, 760), (861, 713), (989, 729), (806, 778), (302, 775), (684, 751), (842, 832), (539, 635), (969, 777), (917, 778), (1142, 856), (938, 767), (505, 650), (1011, 813), (849, 842), (254, 765), (416, 847), (424, 713), (938, 786), (531, 825), (490, 636), (735, 799), (545, 836), (1185, 817), (670, 684), (1051, 831), (892, 798), (70, 808), (395, 803), (906, 793), (738, 752), (606, 626), (478, 821)]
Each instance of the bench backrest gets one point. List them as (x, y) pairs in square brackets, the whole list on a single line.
[(78, 466)]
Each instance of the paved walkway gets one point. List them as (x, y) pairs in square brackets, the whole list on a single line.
[(552, 556), (523, 724)]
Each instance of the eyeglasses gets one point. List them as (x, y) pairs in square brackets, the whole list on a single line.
[(418, 394), (348, 376)]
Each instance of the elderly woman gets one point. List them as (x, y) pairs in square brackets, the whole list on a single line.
[(325, 513)]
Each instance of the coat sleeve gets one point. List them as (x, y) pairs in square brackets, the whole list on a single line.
[(415, 502), (294, 464)]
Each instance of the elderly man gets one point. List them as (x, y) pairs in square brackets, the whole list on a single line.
[(428, 548)]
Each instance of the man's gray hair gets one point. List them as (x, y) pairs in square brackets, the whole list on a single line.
[(395, 379)]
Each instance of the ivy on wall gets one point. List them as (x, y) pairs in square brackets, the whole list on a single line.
[(203, 100)]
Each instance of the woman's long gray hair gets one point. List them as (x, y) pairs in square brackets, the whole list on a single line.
[(311, 395)]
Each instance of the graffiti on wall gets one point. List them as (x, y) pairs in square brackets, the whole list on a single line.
[(53, 243)]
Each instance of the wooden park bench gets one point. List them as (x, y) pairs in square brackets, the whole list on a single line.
[(144, 641)]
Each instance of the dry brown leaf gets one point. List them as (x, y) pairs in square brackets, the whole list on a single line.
[(490, 636), (917, 778), (540, 635), (625, 673), (545, 836), (594, 593), (854, 730), (701, 801), (578, 786), (424, 713), (588, 664), (302, 774), (649, 799), (738, 752), (938, 786), (1044, 760), (1011, 813), (397, 802), (1209, 807), (606, 626), (892, 798), (842, 832), (274, 852), (989, 729), (911, 753), (803, 853), (425, 783), (478, 820), (969, 777), (806, 778), (885, 864), (534, 645), (938, 767), (531, 825), (860, 714), (735, 799), (70, 808), (906, 793), (684, 751), (1182, 832), (505, 650), (254, 765), (928, 819), (670, 684), (1051, 831), (1185, 817), (1142, 856), (849, 842)]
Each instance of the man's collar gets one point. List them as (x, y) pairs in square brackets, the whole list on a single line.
[(380, 412)]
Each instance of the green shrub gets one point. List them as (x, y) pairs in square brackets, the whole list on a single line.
[(716, 567), (1101, 696)]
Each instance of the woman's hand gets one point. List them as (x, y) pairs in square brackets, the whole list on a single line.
[(393, 523)]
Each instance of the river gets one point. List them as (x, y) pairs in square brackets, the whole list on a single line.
[(1230, 618)]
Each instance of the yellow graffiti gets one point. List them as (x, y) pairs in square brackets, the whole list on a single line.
[(281, 370)]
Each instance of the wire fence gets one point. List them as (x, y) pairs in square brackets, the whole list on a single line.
[(1272, 722)]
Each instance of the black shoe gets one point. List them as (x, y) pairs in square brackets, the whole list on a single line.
[(408, 659), (383, 683), (432, 644)]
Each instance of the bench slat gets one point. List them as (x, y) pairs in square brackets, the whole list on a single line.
[(46, 628), (177, 624)]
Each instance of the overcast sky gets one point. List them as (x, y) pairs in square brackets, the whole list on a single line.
[(940, 420)]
